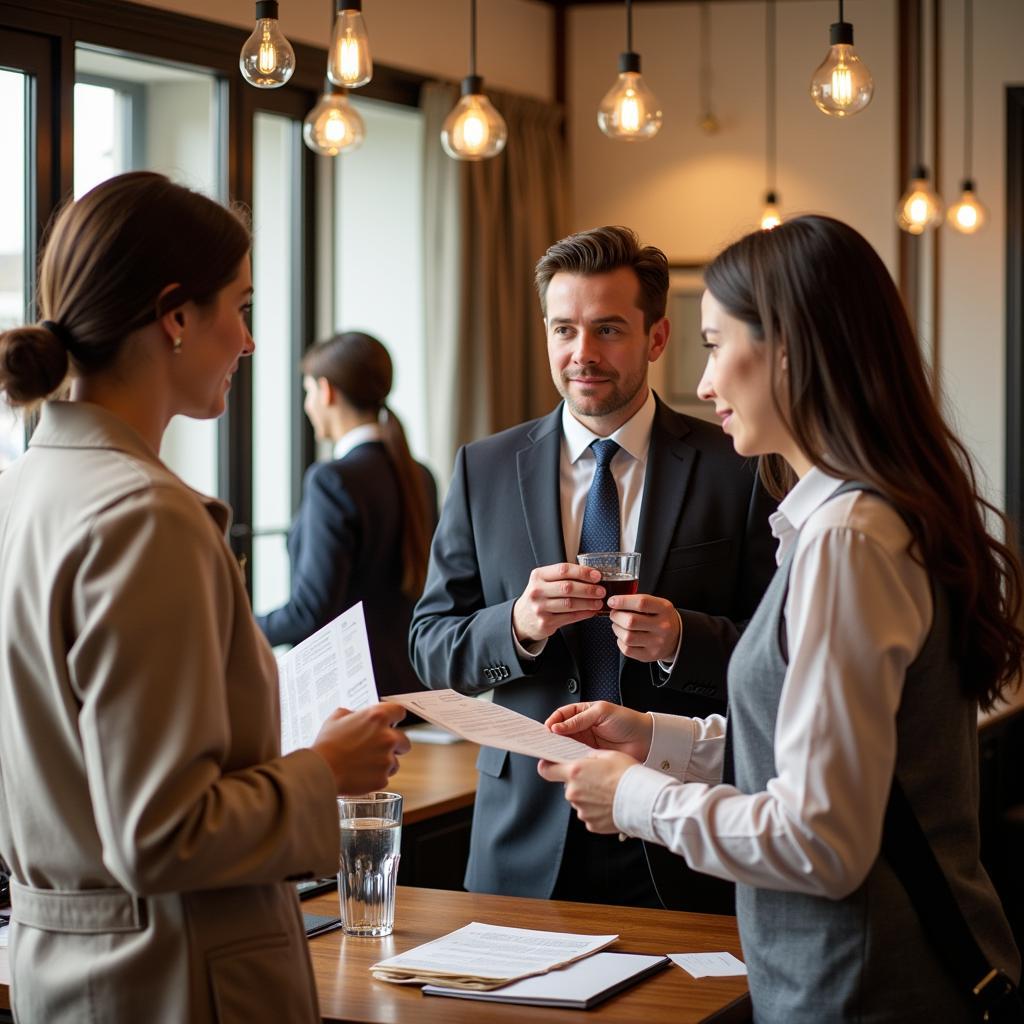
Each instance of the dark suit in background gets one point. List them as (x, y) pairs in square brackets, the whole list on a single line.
[(345, 546), (706, 547)]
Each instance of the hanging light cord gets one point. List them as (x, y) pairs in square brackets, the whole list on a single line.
[(705, 59), (472, 37), (840, 10), (919, 99), (968, 85), (629, 26), (769, 37)]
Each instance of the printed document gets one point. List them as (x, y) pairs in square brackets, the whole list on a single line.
[(491, 725), (331, 669), (709, 965), (485, 956)]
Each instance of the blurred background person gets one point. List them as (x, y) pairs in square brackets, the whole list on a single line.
[(366, 519)]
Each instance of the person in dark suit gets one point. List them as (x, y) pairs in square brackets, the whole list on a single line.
[(364, 526), (506, 608)]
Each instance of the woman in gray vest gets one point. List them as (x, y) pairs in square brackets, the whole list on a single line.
[(892, 617)]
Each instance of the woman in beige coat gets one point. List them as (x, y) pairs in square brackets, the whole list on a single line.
[(150, 825)]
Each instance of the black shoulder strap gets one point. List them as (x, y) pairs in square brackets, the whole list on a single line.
[(906, 848)]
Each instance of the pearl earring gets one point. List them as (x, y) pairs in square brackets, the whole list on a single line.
[(176, 346)]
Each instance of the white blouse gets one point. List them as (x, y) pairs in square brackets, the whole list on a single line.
[(858, 611)]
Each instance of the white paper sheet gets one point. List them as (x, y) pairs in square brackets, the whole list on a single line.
[(331, 669), (488, 951), (491, 725), (709, 965), (573, 986)]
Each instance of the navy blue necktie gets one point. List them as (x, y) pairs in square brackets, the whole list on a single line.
[(599, 652)]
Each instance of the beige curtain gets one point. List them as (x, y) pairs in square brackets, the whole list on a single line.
[(486, 226)]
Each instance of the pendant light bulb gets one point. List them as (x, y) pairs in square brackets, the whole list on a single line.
[(267, 59), (968, 215), (629, 111), (333, 126), (920, 207), (473, 129), (842, 85), (771, 217), (348, 62)]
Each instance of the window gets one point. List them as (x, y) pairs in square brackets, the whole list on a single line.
[(276, 328), (379, 250), (14, 233), (137, 114)]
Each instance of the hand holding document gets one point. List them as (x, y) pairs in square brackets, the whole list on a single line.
[(481, 957), (331, 669), (491, 725)]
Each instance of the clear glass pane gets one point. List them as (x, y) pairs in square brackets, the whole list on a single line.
[(14, 215), (136, 114), (379, 190), (275, 375)]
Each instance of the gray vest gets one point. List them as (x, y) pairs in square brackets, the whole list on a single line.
[(865, 958)]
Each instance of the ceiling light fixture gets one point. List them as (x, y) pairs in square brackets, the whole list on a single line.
[(770, 215), (333, 126), (968, 215), (348, 61), (267, 59), (629, 111), (842, 85), (473, 129)]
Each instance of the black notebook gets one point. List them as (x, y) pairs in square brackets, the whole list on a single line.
[(317, 924), (579, 986)]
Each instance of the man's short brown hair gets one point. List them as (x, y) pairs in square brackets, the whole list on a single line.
[(602, 250)]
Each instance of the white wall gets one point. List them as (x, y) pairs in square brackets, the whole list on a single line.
[(515, 37), (689, 193), (973, 268)]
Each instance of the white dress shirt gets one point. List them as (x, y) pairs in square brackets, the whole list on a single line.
[(858, 611), (362, 434), (576, 466)]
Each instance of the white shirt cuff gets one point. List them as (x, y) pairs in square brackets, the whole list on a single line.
[(635, 797), (667, 666), (671, 744)]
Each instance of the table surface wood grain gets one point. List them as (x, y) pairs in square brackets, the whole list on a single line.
[(348, 992), (436, 778)]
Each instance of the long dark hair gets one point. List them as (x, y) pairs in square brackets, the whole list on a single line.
[(108, 257), (861, 408), (359, 366)]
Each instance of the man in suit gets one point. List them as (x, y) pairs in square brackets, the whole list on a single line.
[(506, 608)]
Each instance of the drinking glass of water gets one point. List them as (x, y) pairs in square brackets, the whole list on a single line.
[(620, 572), (371, 838)]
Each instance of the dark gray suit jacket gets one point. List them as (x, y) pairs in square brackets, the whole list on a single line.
[(345, 546), (706, 546)]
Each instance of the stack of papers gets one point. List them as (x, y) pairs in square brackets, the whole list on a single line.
[(579, 986), (481, 957)]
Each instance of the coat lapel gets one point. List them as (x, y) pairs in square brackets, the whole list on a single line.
[(670, 463), (537, 467)]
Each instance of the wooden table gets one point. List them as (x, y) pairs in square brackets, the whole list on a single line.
[(436, 779), (348, 993)]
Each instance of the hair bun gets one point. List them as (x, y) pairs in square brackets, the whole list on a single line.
[(33, 364)]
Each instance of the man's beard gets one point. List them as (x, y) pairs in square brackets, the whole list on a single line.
[(619, 396)]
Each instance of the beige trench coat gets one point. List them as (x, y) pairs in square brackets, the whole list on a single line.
[(145, 813)]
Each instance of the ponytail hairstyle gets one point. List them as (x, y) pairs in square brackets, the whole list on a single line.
[(359, 367), (108, 257), (861, 408)]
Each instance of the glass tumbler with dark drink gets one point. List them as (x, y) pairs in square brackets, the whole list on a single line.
[(620, 572)]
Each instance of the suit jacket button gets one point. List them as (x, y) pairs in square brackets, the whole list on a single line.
[(665, 766), (572, 685)]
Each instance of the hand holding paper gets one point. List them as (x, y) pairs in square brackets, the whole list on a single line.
[(328, 679)]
